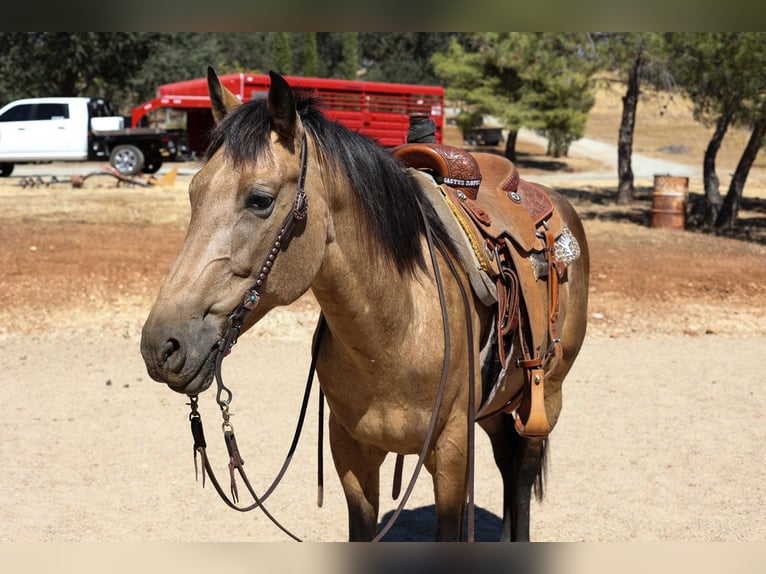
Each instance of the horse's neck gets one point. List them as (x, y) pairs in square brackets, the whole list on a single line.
[(366, 301)]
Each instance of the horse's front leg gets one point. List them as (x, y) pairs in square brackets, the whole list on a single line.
[(358, 467), (447, 464)]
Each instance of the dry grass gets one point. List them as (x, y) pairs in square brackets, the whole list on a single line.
[(664, 122)]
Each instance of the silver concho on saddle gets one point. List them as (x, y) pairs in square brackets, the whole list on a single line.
[(509, 236)]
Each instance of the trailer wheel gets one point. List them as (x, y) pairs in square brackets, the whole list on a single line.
[(6, 169), (127, 159)]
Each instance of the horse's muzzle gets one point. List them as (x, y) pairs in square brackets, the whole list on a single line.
[(185, 363)]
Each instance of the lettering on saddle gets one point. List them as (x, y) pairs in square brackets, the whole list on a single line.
[(512, 226)]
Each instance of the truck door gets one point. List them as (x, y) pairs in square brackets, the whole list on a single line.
[(42, 130), (53, 131), (14, 130)]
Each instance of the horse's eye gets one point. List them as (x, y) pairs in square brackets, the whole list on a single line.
[(259, 201)]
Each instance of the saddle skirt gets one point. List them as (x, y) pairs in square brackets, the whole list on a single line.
[(509, 236)]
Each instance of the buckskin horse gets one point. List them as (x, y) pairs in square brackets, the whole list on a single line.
[(428, 325)]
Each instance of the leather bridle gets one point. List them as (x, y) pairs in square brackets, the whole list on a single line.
[(252, 296), (224, 395)]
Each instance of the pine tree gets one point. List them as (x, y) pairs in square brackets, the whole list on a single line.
[(281, 54), (350, 55), (468, 87), (310, 56), (540, 80), (556, 71)]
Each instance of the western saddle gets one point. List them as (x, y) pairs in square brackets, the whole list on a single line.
[(513, 227)]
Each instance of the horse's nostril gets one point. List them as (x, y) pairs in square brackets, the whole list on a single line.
[(171, 347)]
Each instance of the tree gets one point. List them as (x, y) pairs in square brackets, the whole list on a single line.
[(330, 53), (243, 51), (542, 81), (124, 68), (281, 54), (350, 55), (468, 86), (310, 56), (722, 73), (174, 57), (403, 57), (637, 58), (501, 95), (556, 71), (727, 217), (754, 115), (97, 64)]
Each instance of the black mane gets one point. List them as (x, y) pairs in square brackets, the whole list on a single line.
[(388, 196)]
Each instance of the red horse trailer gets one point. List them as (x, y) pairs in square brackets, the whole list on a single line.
[(378, 109)]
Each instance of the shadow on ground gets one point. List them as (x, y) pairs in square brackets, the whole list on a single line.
[(597, 203), (528, 161), (418, 525), (601, 203)]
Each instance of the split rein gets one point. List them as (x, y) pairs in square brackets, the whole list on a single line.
[(224, 394)]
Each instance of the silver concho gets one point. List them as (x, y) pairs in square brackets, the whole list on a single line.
[(566, 249)]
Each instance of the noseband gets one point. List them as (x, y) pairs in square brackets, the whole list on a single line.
[(224, 395)]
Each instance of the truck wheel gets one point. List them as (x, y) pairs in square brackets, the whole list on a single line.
[(127, 159), (6, 169), (152, 166)]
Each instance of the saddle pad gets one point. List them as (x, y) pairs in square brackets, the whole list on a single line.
[(482, 284)]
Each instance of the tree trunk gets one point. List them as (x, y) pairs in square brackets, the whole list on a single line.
[(510, 145), (730, 208), (625, 139), (712, 193)]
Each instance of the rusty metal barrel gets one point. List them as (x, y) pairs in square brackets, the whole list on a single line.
[(669, 201)]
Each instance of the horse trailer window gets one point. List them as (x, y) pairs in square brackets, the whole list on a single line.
[(20, 113)]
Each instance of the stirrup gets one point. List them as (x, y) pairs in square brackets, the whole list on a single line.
[(536, 425)]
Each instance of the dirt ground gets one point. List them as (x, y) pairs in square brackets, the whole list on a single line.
[(661, 436)]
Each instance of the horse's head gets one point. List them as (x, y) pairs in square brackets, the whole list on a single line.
[(240, 200)]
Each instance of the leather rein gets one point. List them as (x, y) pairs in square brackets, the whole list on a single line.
[(224, 395)]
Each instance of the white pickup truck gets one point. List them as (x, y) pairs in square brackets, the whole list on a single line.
[(79, 129)]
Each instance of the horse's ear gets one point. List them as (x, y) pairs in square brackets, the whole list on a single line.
[(282, 106), (222, 101)]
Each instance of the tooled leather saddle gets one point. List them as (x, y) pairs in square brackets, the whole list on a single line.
[(512, 226)]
